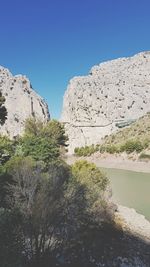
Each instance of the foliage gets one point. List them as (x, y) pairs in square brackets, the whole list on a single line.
[(11, 240), (42, 141), (111, 149), (7, 149), (89, 150), (40, 148), (5, 192), (38, 196), (3, 111), (134, 138), (87, 208), (54, 207), (129, 146), (33, 126), (86, 151), (139, 130), (52, 130), (87, 173), (55, 131), (57, 206), (132, 146)]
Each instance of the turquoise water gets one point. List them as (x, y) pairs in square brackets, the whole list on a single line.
[(131, 189)]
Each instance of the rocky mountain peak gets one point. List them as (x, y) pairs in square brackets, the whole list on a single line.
[(115, 92), (21, 102)]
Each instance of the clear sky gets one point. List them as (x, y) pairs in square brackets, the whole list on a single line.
[(50, 41)]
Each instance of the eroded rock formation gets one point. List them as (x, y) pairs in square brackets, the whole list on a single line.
[(21, 103), (114, 93)]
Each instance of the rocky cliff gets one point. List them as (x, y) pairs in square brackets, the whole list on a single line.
[(21, 102), (114, 94)]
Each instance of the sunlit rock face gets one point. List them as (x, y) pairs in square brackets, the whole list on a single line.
[(114, 93), (21, 103)]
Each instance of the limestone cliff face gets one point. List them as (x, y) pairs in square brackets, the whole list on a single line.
[(21, 102), (114, 92)]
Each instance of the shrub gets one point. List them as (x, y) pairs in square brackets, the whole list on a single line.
[(132, 146), (102, 149), (86, 151), (112, 149), (6, 149)]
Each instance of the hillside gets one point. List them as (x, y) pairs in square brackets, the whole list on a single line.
[(133, 139), (139, 130), (114, 93)]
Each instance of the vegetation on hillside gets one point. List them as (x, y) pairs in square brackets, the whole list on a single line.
[(50, 213), (133, 139)]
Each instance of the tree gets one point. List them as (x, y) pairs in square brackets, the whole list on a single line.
[(11, 239), (42, 141), (88, 192), (33, 127), (87, 211), (3, 111), (40, 149), (61, 208), (55, 131), (7, 149), (5, 192), (39, 197), (52, 130)]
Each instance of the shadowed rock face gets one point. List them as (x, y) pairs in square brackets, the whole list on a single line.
[(115, 92), (21, 103)]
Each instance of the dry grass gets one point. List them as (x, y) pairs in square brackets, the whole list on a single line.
[(139, 130)]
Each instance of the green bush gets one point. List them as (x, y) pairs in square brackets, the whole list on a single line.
[(86, 151), (112, 149), (131, 146), (89, 150), (102, 149), (40, 149), (7, 149), (89, 175)]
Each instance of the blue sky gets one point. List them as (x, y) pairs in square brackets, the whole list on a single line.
[(50, 41)]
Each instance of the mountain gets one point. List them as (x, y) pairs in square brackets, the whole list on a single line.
[(21, 102), (113, 95)]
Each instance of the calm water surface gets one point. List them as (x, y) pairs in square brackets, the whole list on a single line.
[(131, 189)]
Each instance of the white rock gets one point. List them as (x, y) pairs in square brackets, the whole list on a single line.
[(21, 103), (114, 91)]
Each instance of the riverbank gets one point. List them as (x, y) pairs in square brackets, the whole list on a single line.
[(133, 223), (122, 162)]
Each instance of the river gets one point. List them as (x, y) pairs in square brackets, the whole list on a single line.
[(131, 189)]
